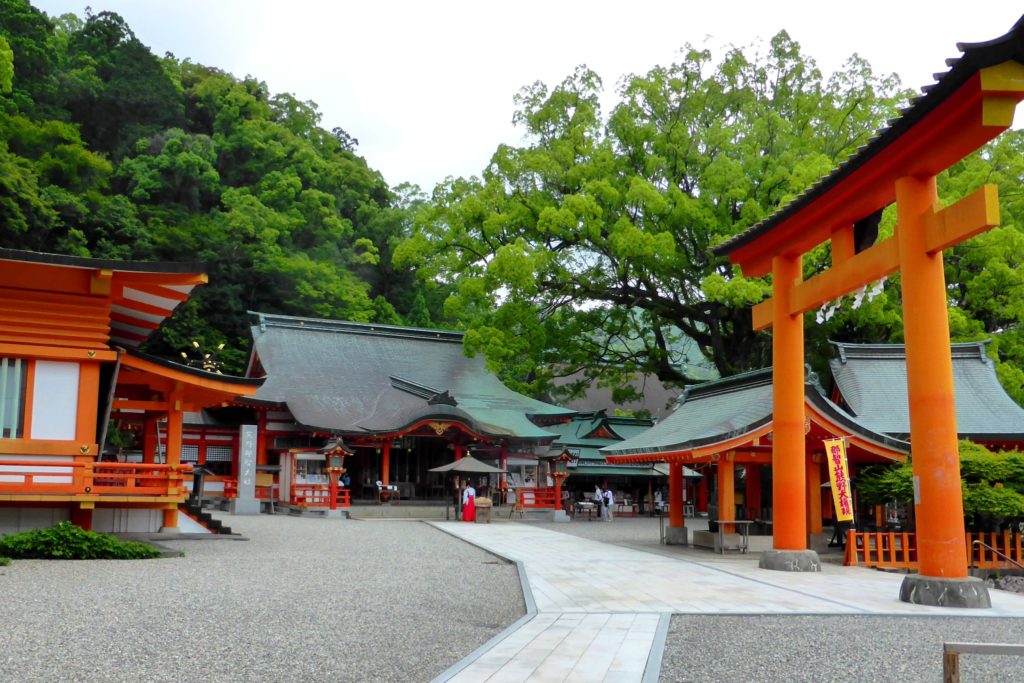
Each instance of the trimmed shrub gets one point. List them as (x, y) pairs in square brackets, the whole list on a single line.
[(69, 542), (4, 561)]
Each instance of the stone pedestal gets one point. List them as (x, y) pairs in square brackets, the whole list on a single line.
[(790, 561), (239, 506), (560, 516), (335, 514), (941, 592), (677, 535)]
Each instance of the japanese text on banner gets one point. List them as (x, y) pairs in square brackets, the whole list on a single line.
[(839, 476)]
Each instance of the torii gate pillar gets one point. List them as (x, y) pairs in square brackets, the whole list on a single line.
[(938, 502), (789, 473)]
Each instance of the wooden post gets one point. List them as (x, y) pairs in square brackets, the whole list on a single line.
[(149, 431), (727, 490), (174, 433), (88, 405), (261, 437), (675, 495), (754, 490), (814, 523), (385, 464), (938, 500), (170, 519), (950, 667), (82, 517), (788, 468)]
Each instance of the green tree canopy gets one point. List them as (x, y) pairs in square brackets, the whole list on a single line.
[(589, 247)]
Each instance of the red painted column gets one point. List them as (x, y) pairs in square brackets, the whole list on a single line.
[(675, 495), (175, 418), (814, 523), (149, 427), (788, 469), (726, 474), (753, 492), (702, 492), (938, 504), (261, 437), (385, 464), (82, 517)]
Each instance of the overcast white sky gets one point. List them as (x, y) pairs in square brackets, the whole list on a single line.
[(427, 86)]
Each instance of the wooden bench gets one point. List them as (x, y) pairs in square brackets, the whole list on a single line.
[(951, 655)]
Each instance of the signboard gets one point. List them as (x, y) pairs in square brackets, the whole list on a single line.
[(839, 477)]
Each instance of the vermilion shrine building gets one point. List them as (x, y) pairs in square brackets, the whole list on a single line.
[(403, 400), (726, 428), (68, 330)]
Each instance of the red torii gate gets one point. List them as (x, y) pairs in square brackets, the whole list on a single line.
[(968, 106)]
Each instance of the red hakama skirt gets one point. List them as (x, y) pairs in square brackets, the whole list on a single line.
[(469, 510)]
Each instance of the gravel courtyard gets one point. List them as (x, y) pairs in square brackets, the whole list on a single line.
[(304, 599)]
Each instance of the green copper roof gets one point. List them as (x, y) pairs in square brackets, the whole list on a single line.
[(872, 379), (717, 411), (580, 435), (358, 378)]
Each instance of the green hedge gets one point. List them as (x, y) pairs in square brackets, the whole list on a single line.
[(69, 542)]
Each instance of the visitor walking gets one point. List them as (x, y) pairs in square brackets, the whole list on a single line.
[(599, 501), (609, 504), (469, 503)]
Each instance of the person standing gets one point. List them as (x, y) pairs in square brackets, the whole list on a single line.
[(469, 503), (599, 501), (609, 504)]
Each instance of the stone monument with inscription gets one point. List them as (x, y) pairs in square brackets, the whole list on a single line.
[(246, 502)]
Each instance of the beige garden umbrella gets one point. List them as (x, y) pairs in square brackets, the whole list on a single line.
[(470, 465)]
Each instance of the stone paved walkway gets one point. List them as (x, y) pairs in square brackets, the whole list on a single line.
[(599, 605)]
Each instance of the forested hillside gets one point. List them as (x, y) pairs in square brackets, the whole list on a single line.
[(109, 151)]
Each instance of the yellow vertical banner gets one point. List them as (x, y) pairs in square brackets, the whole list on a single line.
[(839, 477)]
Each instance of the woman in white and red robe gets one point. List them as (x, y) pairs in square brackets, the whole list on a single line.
[(468, 503)]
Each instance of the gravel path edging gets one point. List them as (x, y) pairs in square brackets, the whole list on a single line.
[(652, 670), (531, 612)]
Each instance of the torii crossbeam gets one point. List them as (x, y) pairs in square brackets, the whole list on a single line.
[(968, 106)]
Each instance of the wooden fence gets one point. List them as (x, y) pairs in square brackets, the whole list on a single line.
[(895, 550)]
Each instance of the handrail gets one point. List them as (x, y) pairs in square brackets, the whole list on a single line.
[(1011, 561)]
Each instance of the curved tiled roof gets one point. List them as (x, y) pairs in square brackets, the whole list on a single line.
[(375, 379), (708, 413), (872, 379), (719, 411)]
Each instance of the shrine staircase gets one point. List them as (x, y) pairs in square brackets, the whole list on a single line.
[(205, 519)]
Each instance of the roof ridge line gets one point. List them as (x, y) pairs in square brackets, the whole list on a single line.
[(349, 327)]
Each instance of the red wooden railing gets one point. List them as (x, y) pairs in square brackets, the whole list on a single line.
[(318, 496), (1006, 542), (50, 477), (891, 550), (262, 492), (540, 498)]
